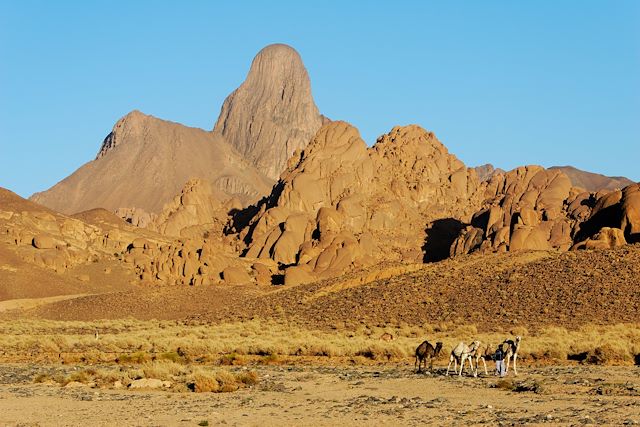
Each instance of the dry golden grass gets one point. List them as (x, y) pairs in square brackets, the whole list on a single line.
[(132, 342), (182, 377)]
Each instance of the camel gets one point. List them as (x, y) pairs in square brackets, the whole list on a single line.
[(462, 353), (427, 351), (511, 353), (483, 355)]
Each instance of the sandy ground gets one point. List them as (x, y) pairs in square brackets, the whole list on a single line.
[(30, 303), (321, 395)]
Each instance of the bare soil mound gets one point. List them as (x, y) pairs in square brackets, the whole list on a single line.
[(529, 289)]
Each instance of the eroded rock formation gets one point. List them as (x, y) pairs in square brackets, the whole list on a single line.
[(535, 208), (341, 205), (272, 113)]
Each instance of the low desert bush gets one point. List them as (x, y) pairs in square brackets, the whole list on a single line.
[(201, 382), (162, 370), (137, 357), (232, 359), (608, 354), (220, 381)]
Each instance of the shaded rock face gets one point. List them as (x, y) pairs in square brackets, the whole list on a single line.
[(341, 205), (272, 113), (618, 209), (143, 164)]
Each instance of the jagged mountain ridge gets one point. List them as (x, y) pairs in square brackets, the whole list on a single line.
[(144, 162)]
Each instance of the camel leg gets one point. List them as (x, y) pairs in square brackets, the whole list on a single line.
[(462, 362), (515, 371), (485, 366), (474, 371), (506, 368), (449, 366), (430, 364)]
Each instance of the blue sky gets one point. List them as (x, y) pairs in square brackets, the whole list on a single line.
[(511, 83)]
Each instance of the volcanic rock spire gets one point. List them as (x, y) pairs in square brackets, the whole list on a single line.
[(272, 113)]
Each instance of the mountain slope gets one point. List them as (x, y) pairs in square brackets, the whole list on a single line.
[(593, 181), (145, 161)]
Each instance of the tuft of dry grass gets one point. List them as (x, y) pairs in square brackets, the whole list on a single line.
[(204, 381), (181, 377)]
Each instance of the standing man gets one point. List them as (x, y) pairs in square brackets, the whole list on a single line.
[(499, 358)]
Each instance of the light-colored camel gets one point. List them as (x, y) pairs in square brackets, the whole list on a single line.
[(484, 354), (461, 353), (425, 351), (511, 353)]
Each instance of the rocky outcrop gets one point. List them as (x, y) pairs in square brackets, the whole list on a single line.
[(341, 205), (144, 161), (272, 113), (539, 209), (44, 238), (527, 208), (136, 216), (196, 211), (606, 238), (618, 209)]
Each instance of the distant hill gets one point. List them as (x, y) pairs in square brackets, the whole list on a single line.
[(593, 181), (486, 171)]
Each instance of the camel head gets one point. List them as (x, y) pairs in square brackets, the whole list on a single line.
[(438, 347), (474, 346)]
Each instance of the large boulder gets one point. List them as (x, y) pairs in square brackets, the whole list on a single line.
[(236, 275), (44, 241)]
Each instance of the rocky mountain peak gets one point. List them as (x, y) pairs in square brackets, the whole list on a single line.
[(130, 124), (272, 113)]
